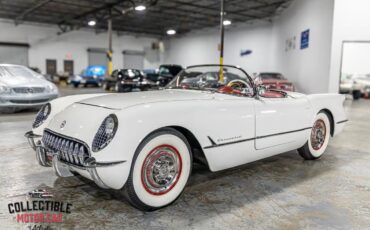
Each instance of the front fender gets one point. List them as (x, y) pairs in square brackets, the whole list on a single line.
[(58, 105)]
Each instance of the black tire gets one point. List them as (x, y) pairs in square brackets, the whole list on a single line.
[(129, 189), (356, 94), (310, 152), (105, 86), (144, 88), (118, 87), (76, 85)]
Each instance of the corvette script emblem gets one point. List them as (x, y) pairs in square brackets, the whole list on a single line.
[(63, 124)]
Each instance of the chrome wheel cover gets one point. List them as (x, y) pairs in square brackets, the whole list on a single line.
[(161, 169), (318, 134)]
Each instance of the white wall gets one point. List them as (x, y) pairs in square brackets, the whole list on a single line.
[(308, 69), (351, 23), (201, 47), (46, 44)]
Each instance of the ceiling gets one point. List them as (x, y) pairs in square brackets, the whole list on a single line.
[(160, 15)]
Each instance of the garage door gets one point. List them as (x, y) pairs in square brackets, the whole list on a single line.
[(97, 56), (14, 53), (133, 59)]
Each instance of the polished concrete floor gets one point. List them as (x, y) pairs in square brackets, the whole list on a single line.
[(281, 192)]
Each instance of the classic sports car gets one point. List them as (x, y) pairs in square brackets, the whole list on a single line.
[(92, 75), (274, 81), (144, 143), (21, 87), (124, 80)]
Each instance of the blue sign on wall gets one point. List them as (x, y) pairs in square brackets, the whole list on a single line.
[(305, 39)]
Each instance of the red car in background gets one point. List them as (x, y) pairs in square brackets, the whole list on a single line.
[(273, 81)]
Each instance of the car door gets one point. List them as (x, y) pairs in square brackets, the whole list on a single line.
[(282, 122)]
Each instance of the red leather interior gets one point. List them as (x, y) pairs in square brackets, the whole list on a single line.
[(273, 94)]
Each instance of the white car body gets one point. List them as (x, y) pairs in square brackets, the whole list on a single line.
[(230, 130)]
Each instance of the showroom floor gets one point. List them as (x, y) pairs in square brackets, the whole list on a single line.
[(281, 192)]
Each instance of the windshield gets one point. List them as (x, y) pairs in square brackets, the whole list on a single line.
[(169, 70), (132, 73), (222, 79), (20, 71), (271, 76)]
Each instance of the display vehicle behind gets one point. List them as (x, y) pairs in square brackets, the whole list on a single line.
[(125, 80), (21, 88)]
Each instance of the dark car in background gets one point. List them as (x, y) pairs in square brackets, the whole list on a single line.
[(166, 73), (124, 80), (273, 81), (92, 75)]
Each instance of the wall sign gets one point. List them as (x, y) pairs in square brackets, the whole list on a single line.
[(305, 39), (245, 52)]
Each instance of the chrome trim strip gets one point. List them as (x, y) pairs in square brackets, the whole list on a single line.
[(101, 106), (340, 122), (255, 138), (277, 134), (92, 163)]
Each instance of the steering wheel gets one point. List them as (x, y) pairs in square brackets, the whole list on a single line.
[(235, 87), (238, 84)]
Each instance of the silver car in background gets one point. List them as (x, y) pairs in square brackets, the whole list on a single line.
[(21, 88)]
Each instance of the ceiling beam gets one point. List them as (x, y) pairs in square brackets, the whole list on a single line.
[(24, 14)]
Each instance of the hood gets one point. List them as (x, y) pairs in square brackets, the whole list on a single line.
[(125, 100), (15, 81)]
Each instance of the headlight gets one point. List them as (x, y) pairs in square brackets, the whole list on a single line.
[(52, 88), (4, 89), (105, 133), (42, 115)]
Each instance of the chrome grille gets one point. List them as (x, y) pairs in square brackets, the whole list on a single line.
[(68, 149), (30, 90)]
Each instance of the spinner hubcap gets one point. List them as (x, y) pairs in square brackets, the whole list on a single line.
[(318, 134), (161, 169)]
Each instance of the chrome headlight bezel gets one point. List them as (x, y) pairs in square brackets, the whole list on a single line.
[(105, 134), (42, 115)]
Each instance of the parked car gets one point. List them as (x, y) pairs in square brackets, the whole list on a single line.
[(143, 143), (362, 81), (124, 80), (166, 73), (92, 75), (273, 81), (349, 86), (21, 87)]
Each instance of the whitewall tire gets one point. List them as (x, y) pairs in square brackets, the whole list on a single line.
[(318, 139), (160, 170)]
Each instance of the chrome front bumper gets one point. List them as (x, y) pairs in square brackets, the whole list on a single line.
[(48, 158)]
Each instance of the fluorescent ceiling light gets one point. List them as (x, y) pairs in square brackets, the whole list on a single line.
[(227, 22), (140, 8), (171, 32), (91, 23)]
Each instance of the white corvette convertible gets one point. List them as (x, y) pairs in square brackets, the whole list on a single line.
[(144, 143)]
